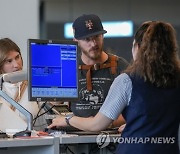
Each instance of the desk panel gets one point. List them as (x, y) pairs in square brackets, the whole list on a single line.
[(72, 139), (53, 145), (85, 143), (45, 145)]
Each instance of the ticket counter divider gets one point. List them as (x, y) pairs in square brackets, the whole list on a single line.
[(50, 144)]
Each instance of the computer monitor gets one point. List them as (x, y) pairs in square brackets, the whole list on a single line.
[(52, 70)]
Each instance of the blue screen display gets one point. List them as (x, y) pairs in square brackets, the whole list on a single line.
[(53, 70)]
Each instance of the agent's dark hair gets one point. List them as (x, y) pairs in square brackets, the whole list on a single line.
[(157, 59), (7, 45)]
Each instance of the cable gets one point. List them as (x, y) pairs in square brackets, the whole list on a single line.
[(37, 115), (43, 113), (67, 148)]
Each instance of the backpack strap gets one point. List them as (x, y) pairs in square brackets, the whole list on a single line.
[(20, 93), (112, 64), (114, 60)]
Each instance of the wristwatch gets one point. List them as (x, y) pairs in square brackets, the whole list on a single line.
[(68, 117)]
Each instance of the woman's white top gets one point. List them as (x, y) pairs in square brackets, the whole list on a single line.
[(31, 106)]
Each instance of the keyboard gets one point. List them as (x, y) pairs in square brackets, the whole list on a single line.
[(73, 130), (63, 129)]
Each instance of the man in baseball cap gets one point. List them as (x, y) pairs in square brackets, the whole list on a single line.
[(97, 68), (87, 25)]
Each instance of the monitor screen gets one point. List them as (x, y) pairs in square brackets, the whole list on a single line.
[(52, 70)]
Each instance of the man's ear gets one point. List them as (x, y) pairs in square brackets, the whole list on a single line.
[(74, 39)]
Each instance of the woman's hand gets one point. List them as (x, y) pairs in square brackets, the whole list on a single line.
[(121, 128), (58, 121)]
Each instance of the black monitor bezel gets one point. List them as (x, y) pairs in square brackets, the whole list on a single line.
[(43, 41)]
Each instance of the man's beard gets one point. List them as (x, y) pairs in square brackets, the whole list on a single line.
[(96, 53)]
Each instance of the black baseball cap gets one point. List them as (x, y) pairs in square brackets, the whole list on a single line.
[(87, 25)]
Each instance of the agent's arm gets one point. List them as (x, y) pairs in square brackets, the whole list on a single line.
[(116, 100), (97, 123)]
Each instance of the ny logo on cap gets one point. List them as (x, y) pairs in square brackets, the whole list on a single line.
[(89, 24)]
